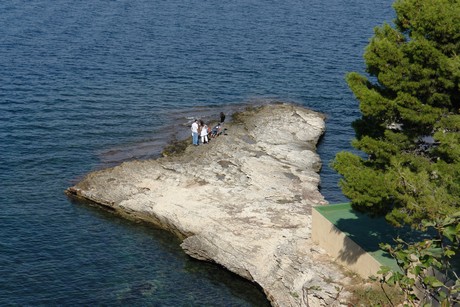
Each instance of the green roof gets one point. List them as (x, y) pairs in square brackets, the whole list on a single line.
[(366, 231)]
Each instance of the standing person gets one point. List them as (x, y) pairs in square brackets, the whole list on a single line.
[(195, 132), (222, 117), (200, 128), (204, 133)]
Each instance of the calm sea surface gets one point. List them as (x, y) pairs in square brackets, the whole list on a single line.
[(88, 84)]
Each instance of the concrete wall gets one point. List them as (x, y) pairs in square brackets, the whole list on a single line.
[(344, 250)]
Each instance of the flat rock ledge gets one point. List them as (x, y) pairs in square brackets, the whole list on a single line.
[(243, 201)]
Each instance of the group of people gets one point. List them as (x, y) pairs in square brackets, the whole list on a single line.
[(201, 131)]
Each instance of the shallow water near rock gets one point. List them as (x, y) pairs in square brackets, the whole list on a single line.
[(89, 84)]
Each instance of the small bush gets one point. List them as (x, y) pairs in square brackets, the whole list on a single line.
[(175, 147)]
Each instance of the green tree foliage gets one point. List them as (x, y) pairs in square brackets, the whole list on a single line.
[(410, 124), (427, 275)]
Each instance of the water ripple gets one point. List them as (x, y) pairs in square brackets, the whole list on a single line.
[(89, 84)]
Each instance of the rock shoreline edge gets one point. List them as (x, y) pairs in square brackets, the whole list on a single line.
[(242, 201)]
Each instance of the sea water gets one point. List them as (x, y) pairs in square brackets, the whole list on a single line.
[(89, 84)]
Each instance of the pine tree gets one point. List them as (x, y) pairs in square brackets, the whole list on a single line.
[(409, 131)]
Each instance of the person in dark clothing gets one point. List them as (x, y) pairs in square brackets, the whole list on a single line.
[(216, 131), (222, 117)]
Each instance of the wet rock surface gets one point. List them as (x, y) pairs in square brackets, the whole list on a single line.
[(243, 201)]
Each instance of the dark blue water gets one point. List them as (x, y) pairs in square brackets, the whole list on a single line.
[(88, 84)]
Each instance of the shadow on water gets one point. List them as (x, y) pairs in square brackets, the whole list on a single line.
[(188, 282)]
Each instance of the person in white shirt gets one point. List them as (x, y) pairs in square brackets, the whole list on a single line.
[(194, 129), (204, 133)]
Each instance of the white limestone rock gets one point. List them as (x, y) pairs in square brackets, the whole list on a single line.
[(243, 201)]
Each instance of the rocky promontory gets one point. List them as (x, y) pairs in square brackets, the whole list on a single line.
[(243, 201)]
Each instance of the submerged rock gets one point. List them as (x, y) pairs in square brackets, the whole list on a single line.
[(243, 201)]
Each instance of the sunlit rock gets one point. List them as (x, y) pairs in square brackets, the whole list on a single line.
[(243, 201)]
